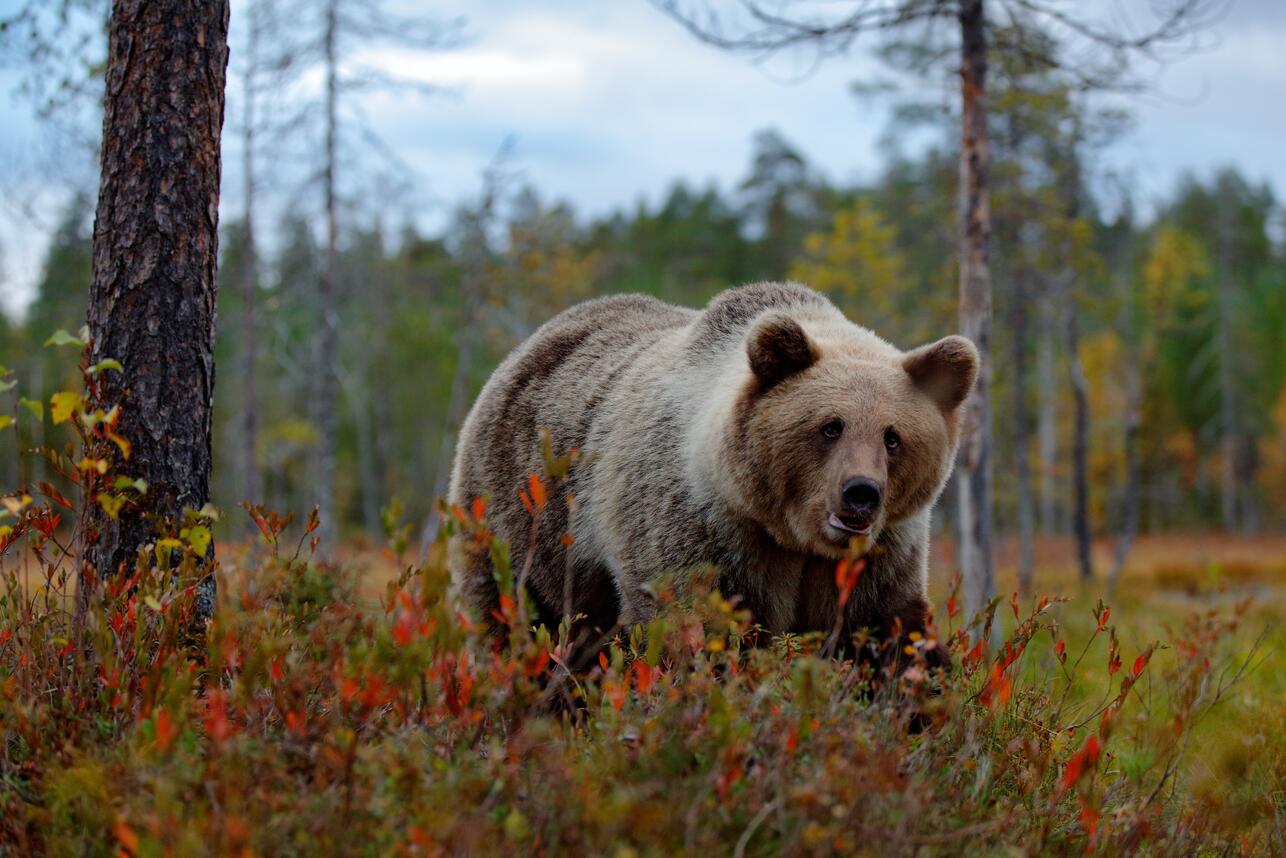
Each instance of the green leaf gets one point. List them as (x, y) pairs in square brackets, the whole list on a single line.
[(139, 485), (5, 421), (7, 385), (198, 537), (34, 406), (62, 338), (107, 364)]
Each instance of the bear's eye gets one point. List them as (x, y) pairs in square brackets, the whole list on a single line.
[(892, 440), (833, 429)]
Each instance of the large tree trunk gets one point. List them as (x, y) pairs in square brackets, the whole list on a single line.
[(152, 298), (1080, 444), (250, 483), (974, 463), (1022, 436), (327, 338)]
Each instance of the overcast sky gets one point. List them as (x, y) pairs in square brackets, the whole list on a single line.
[(609, 101)]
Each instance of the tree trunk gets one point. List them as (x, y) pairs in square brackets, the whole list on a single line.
[(1080, 444), (974, 462), (251, 484), (152, 297), (1022, 436), (1047, 425), (1130, 500), (1228, 411), (327, 338)]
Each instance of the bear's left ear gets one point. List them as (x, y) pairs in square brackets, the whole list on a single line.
[(945, 370), (778, 348)]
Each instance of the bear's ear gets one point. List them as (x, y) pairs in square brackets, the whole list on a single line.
[(778, 348), (945, 370)]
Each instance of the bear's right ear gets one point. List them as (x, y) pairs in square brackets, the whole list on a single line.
[(946, 370), (778, 348)]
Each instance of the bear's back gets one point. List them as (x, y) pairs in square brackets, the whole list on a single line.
[(554, 380)]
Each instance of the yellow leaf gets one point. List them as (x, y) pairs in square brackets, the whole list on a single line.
[(121, 442), (63, 404), (111, 504), (88, 464), (34, 406), (14, 504), (5, 421)]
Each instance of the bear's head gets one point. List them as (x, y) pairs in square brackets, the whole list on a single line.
[(838, 435)]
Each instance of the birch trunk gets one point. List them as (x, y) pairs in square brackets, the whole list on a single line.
[(974, 466), (327, 332)]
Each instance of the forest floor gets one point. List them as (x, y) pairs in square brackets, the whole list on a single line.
[(348, 710)]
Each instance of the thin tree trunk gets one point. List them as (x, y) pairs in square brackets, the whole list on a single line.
[(359, 405), (1130, 500), (974, 463), (327, 338), (1080, 444), (1047, 426), (251, 484), (152, 297), (1228, 429), (1022, 436)]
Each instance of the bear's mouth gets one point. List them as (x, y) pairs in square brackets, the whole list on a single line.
[(854, 523)]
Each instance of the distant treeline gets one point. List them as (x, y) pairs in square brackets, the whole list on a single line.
[(1176, 324)]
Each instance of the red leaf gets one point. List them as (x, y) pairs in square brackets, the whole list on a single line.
[(1089, 818), (846, 574), (478, 508), (602, 662), (537, 490), (164, 730), (642, 676), (1139, 664)]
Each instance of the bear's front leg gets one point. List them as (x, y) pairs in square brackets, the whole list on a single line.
[(909, 627)]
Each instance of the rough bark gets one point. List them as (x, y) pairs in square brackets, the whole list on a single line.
[(974, 466), (327, 331), (152, 297), (1080, 444)]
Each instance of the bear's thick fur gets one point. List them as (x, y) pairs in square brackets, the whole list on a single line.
[(757, 436)]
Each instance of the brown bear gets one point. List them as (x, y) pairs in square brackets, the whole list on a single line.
[(759, 436)]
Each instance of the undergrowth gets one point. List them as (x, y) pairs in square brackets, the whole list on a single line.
[(307, 719)]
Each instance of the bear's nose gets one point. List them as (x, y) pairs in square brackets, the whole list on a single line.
[(861, 494)]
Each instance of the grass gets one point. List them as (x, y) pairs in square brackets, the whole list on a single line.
[(350, 710)]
